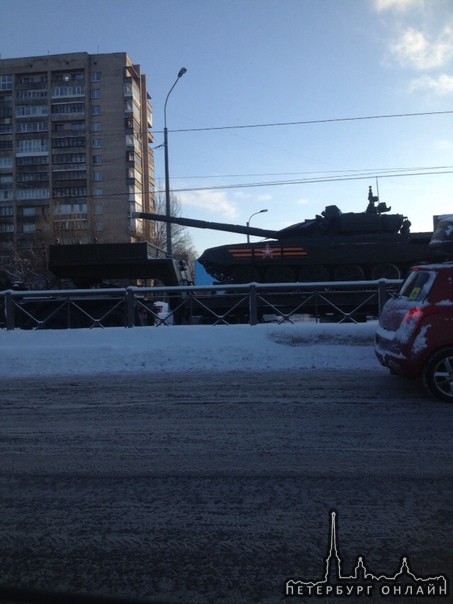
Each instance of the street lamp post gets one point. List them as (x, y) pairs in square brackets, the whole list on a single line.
[(248, 222), (181, 72)]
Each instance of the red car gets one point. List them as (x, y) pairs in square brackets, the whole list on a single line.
[(415, 333)]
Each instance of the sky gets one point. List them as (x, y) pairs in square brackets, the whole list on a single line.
[(285, 103), (187, 349)]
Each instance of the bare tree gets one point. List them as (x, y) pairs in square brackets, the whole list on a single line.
[(25, 268), (182, 244), (27, 263)]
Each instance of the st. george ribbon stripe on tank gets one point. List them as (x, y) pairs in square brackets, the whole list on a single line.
[(268, 252)]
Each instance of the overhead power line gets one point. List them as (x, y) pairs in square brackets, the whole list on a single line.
[(330, 177), (371, 171), (321, 179), (307, 122)]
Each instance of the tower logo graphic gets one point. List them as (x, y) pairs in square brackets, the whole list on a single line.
[(362, 581)]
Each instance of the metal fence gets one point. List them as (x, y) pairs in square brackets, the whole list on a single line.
[(222, 304)]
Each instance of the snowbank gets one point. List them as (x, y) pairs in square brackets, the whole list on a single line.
[(186, 349)]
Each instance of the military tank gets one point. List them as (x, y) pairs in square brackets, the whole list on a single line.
[(333, 246)]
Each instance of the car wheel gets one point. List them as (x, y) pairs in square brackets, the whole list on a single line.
[(438, 375)]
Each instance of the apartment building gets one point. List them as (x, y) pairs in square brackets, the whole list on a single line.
[(75, 154)]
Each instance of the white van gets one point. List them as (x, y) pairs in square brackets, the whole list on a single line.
[(164, 313)]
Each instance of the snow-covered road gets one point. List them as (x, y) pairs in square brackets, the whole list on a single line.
[(215, 487)]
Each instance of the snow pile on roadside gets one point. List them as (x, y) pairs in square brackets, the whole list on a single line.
[(187, 349)]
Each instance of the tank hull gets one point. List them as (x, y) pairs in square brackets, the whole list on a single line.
[(340, 258)]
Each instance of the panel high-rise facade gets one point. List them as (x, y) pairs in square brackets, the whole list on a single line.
[(75, 154)]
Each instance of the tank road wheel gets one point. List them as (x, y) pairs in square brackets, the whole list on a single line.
[(385, 271), (349, 272), (279, 274), (438, 375), (309, 274), (244, 274)]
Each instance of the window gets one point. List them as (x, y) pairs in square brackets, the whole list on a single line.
[(68, 141), (98, 176), (136, 94), (29, 95), (33, 193), (37, 78), (32, 127), (70, 191), (6, 228), (27, 110), (96, 93), (95, 110), (33, 145), (68, 76), (69, 175), (96, 76), (25, 80), (69, 158), (96, 143), (97, 159), (29, 212), (96, 127), (77, 126), (135, 174), (6, 210), (65, 209), (29, 228), (418, 285), (6, 162), (32, 177), (6, 82), (65, 108), (68, 91), (99, 192), (36, 160)]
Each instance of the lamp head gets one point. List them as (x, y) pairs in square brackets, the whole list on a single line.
[(181, 72)]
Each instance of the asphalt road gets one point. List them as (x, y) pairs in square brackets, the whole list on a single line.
[(218, 487)]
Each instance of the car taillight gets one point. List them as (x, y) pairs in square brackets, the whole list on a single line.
[(416, 314)]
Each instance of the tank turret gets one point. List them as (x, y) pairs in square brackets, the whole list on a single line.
[(332, 246)]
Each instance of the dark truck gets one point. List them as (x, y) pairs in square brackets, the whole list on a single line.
[(88, 265), (97, 272)]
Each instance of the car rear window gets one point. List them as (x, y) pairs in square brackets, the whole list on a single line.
[(418, 285)]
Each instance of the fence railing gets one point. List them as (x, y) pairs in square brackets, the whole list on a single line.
[(222, 304)]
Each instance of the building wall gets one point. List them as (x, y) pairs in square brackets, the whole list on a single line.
[(75, 155)]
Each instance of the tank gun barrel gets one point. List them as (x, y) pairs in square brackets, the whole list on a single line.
[(203, 224)]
